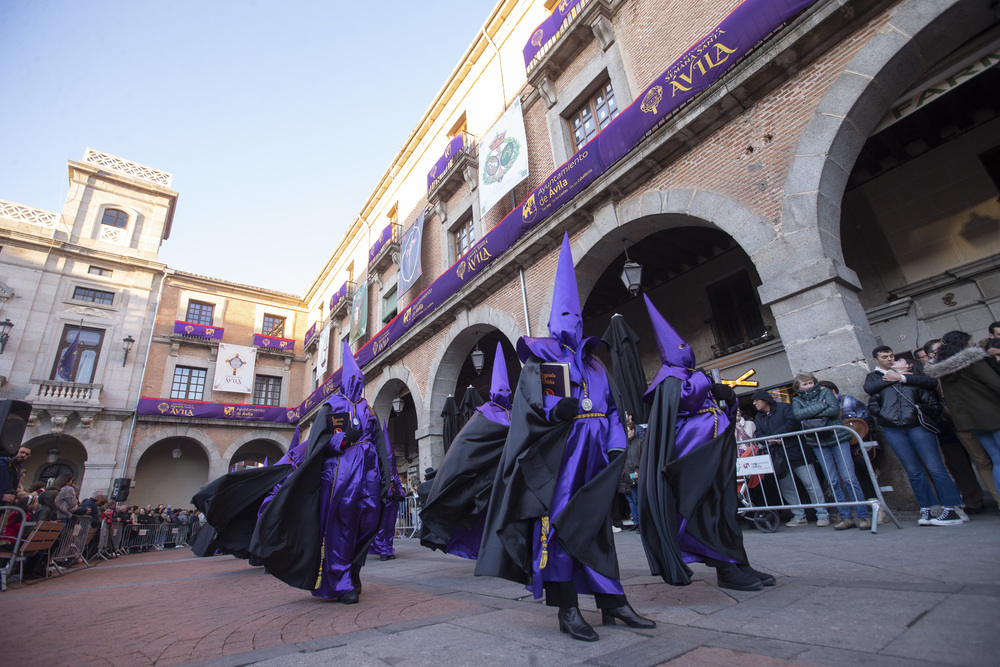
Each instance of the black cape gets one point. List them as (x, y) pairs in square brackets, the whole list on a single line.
[(523, 490), (700, 486), (288, 537), (230, 504), (626, 367), (449, 424), (460, 491)]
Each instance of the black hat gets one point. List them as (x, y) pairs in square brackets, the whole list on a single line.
[(429, 473), (762, 395)]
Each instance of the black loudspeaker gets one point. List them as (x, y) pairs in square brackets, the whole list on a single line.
[(13, 420), (120, 488)]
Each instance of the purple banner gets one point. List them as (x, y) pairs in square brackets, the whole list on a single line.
[(701, 66), (337, 297), (380, 242), (273, 342), (189, 329), (550, 30), (169, 407), (455, 145), (310, 333)]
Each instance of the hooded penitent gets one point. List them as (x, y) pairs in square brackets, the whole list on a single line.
[(687, 483), (548, 518), (382, 544), (455, 510), (324, 516)]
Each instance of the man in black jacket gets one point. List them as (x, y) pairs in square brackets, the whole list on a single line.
[(774, 417), (900, 402)]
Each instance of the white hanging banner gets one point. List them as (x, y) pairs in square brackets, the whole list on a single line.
[(322, 351), (503, 157), (234, 369)]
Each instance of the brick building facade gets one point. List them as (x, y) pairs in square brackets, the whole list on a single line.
[(835, 189)]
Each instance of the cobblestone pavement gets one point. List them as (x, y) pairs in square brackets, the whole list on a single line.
[(916, 596)]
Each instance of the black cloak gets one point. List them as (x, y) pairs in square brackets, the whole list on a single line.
[(700, 486), (230, 504), (288, 538), (523, 490), (460, 492), (449, 424)]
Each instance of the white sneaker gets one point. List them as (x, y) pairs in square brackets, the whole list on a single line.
[(961, 514), (925, 517), (822, 522), (615, 529)]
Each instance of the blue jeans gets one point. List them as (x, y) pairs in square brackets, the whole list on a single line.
[(790, 493), (633, 504), (990, 441), (914, 445), (839, 470)]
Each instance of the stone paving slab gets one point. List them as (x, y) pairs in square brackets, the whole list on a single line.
[(926, 596)]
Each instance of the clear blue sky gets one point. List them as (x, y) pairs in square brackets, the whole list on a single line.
[(276, 119)]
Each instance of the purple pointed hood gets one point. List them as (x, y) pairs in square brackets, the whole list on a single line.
[(500, 387), (352, 382), (565, 320), (675, 353)]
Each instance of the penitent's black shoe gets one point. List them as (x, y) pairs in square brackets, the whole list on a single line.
[(731, 577), (764, 577), (383, 557), (350, 597), (571, 621), (626, 615)]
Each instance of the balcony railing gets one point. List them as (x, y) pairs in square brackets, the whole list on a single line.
[(53, 391)]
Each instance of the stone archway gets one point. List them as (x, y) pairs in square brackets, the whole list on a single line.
[(815, 304), (444, 371)]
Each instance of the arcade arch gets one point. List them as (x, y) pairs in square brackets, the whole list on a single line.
[(816, 305), (170, 471), (451, 366), (52, 454)]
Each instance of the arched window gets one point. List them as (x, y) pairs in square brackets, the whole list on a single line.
[(115, 218)]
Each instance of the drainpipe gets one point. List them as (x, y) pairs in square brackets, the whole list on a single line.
[(503, 90), (142, 378), (524, 301)]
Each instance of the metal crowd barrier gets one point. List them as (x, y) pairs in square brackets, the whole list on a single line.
[(72, 541), (764, 515), (408, 521)]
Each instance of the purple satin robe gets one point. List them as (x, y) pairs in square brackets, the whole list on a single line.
[(588, 443), (699, 420), (350, 501)]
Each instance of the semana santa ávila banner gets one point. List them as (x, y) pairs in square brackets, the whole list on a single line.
[(169, 407), (697, 69), (456, 144), (409, 256), (503, 157), (550, 30), (191, 329), (273, 342), (234, 368)]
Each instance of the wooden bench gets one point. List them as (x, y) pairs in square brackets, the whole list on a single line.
[(40, 540)]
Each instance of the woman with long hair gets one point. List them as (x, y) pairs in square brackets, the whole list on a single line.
[(971, 386)]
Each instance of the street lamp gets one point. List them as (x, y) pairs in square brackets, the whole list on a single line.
[(632, 275), (127, 343), (397, 405), (478, 358), (176, 452), (52, 455), (5, 328)]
